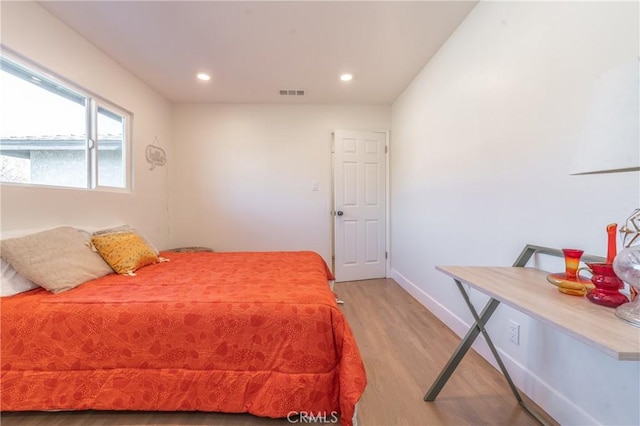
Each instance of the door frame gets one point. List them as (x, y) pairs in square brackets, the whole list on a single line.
[(387, 210)]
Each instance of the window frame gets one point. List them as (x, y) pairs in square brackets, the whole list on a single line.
[(93, 103)]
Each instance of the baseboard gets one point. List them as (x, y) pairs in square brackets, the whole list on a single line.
[(563, 410)]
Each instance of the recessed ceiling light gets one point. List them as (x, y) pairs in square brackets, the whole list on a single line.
[(346, 77), (202, 76)]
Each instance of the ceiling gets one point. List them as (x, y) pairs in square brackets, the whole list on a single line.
[(252, 50)]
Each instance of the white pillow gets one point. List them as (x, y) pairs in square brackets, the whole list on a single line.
[(11, 282)]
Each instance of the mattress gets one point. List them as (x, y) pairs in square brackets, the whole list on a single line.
[(229, 332)]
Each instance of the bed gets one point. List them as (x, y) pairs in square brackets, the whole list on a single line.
[(226, 332)]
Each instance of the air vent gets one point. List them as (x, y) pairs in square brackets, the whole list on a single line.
[(292, 92)]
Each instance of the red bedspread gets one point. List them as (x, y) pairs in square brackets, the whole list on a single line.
[(230, 332)]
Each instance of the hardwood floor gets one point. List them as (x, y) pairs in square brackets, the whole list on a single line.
[(404, 348)]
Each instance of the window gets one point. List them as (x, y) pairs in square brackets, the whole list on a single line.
[(53, 133)]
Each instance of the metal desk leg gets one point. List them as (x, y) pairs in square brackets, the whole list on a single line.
[(457, 356), (476, 328)]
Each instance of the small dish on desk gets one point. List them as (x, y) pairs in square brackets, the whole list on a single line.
[(575, 286)]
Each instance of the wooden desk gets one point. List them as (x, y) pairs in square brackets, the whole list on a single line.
[(527, 290)]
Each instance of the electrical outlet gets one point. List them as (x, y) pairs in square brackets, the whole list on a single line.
[(514, 332)]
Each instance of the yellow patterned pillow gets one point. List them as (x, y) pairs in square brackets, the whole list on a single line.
[(124, 251)]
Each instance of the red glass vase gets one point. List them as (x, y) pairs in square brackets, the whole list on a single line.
[(572, 262), (611, 242), (607, 285), (569, 281)]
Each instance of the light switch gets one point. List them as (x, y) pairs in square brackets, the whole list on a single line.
[(314, 185)]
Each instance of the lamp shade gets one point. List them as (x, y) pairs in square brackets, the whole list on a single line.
[(610, 141)]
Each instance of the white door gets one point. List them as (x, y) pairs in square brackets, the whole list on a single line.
[(359, 177)]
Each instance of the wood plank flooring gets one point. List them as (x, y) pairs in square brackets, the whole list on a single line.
[(404, 347)]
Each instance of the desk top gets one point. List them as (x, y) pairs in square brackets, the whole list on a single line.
[(527, 290)]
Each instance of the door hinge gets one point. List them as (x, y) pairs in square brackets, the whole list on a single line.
[(386, 255), (386, 149)]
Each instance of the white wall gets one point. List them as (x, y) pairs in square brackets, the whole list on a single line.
[(242, 174), (482, 144), (31, 31)]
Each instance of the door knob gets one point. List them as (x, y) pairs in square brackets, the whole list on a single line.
[(339, 213)]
